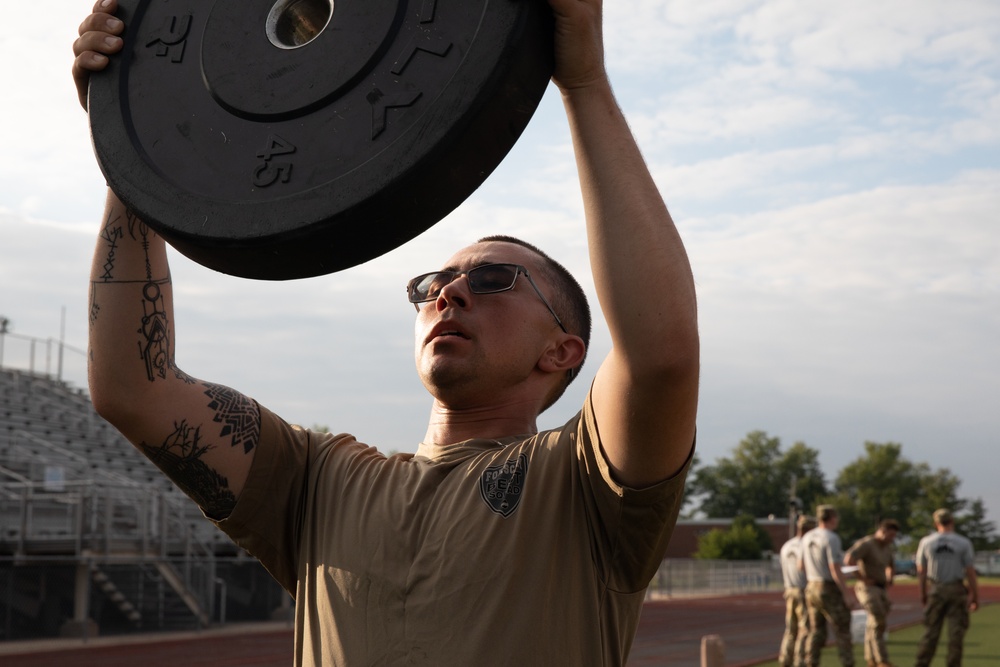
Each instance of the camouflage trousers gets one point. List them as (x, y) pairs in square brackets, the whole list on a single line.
[(825, 602), (946, 601), (793, 643), (875, 600)]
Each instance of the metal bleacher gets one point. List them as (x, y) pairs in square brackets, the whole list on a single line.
[(75, 494), (54, 445)]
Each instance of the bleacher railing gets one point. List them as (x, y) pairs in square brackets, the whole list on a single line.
[(50, 357), (681, 577), (103, 519), (84, 521)]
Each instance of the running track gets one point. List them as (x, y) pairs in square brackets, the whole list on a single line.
[(670, 633)]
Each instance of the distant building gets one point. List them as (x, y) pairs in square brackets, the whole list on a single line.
[(684, 542)]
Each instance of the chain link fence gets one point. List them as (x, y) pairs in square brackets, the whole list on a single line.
[(685, 577)]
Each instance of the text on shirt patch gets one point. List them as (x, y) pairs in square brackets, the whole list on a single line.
[(501, 485)]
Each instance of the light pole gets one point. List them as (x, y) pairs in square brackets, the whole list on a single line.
[(794, 506), (4, 328)]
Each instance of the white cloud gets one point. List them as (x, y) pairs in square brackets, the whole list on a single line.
[(935, 239), (855, 34)]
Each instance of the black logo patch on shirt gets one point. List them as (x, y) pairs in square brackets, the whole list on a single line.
[(501, 485)]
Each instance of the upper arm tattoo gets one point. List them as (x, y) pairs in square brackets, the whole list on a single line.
[(239, 415), (181, 454), (180, 457)]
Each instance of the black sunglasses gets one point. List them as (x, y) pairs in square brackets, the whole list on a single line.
[(485, 279)]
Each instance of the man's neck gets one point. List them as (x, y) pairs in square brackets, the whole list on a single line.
[(447, 426)]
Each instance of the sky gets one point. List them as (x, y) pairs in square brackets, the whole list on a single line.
[(833, 168)]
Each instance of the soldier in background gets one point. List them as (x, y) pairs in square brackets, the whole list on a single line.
[(793, 643), (874, 555), (826, 590), (945, 558)]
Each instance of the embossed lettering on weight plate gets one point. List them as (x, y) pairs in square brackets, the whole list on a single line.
[(271, 171), (430, 41), (427, 10), (171, 40), (382, 102)]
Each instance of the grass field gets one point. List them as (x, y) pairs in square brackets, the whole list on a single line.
[(982, 644)]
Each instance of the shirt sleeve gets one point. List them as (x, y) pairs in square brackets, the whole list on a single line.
[(922, 554), (632, 526), (858, 550), (267, 519), (968, 554), (836, 552)]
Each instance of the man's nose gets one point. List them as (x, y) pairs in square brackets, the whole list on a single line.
[(456, 293)]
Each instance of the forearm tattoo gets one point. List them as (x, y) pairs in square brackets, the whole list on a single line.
[(154, 334), (180, 457), (154, 328), (113, 233)]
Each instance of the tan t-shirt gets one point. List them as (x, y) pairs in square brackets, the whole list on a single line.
[(872, 557), (518, 552)]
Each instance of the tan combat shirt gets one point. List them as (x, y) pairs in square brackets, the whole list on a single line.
[(518, 552), (872, 557)]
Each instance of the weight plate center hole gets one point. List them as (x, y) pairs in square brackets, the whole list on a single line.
[(294, 23)]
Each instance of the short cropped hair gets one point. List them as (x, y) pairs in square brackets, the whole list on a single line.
[(943, 517), (889, 524), (806, 522), (569, 302), (826, 512)]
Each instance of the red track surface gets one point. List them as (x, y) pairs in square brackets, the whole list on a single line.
[(670, 633)]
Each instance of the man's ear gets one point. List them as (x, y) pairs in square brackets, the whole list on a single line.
[(563, 354)]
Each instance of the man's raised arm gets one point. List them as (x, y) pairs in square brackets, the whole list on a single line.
[(202, 435), (646, 391)]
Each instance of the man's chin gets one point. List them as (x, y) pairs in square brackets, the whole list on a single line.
[(443, 376)]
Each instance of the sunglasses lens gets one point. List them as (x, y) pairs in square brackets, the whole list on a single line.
[(482, 280), (492, 278), (428, 286)]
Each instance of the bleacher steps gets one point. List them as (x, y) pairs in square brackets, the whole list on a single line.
[(172, 577), (113, 593)]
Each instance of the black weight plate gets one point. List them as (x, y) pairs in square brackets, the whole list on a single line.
[(276, 163)]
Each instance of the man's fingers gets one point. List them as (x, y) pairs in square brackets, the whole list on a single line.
[(101, 23), (99, 38), (105, 7), (97, 42), (87, 62)]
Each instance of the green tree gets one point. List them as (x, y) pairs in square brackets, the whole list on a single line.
[(975, 526), (884, 484), (938, 488), (757, 479), (689, 503), (801, 463), (879, 485), (744, 540)]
